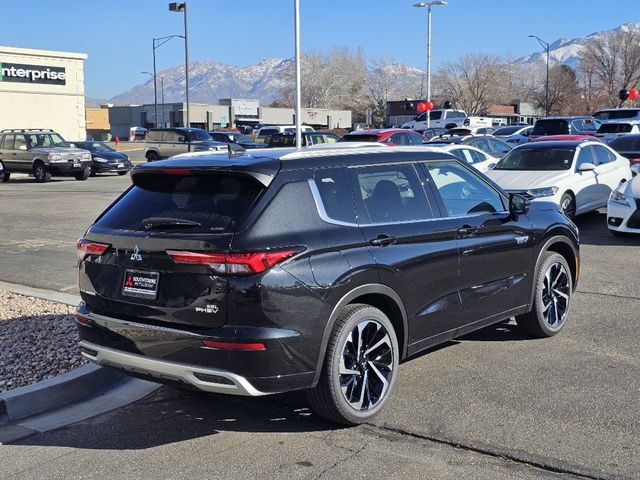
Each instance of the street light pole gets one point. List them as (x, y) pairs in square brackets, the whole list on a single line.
[(544, 45), (182, 7), (296, 9), (162, 98), (428, 5), (157, 43)]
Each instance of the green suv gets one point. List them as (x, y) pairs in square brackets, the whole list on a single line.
[(41, 153)]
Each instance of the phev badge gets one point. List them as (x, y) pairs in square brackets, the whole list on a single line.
[(136, 254)]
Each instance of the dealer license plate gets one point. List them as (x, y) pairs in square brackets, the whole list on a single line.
[(121, 165), (76, 165), (141, 284)]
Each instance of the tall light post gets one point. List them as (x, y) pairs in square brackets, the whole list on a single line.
[(182, 7), (155, 98), (296, 11), (544, 45), (162, 98), (157, 43), (428, 6)]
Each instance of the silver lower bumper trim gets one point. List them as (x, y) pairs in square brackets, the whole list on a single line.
[(164, 370)]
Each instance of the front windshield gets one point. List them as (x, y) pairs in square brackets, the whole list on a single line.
[(199, 136), (537, 159), (96, 147), (506, 130), (239, 138)]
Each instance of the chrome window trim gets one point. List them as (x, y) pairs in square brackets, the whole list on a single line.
[(325, 218)]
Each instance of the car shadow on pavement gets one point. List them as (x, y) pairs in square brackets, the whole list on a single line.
[(500, 332), (594, 231), (170, 416)]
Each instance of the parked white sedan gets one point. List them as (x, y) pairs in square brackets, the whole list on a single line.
[(475, 157), (577, 175), (623, 208)]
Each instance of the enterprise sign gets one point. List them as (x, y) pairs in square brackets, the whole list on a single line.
[(15, 72)]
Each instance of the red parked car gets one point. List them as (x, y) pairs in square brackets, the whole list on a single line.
[(388, 136), (564, 137)]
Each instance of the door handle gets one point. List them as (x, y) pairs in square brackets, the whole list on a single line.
[(466, 230), (383, 240)]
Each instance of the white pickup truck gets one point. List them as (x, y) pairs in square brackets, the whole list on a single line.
[(445, 118)]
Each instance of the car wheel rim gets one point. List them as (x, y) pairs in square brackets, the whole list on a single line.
[(556, 295), (366, 365), (39, 172), (567, 207)]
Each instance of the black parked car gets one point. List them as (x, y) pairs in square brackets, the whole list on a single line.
[(237, 138), (105, 159), (288, 139), (316, 270), (580, 125), (628, 146)]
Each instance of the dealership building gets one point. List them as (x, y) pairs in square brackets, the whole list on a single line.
[(42, 89)]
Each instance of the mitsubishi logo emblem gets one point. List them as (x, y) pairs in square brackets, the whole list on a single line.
[(136, 254)]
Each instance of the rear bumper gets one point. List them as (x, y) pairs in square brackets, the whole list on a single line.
[(170, 354), (206, 379)]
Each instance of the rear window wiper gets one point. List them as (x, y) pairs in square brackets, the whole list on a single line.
[(168, 222)]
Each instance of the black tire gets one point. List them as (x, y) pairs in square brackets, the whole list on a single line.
[(93, 172), (122, 173), (568, 205), (83, 175), (327, 398), (40, 172), (152, 157), (551, 298)]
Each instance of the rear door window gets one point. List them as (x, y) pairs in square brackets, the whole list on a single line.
[(551, 127), (216, 203), (390, 194)]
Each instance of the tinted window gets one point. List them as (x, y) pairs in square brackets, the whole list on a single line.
[(615, 128), (221, 137), (626, 143), (360, 138), (391, 193), (435, 115), (335, 193), (603, 155), (616, 114), (537, 159), (585, 156), (199, 136), (506, 130), (462, 192), (217, 202), (399, 139), (551, 127)]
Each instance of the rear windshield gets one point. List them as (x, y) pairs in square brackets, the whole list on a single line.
[(615, 128), (360, 138), (537, 159), (626, 143), (507, 130), (217, 202), (551, 127), (616, 114)]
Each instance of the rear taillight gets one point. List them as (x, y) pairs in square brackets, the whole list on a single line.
[(83, 320), (221, 345), (87, 247), (232, 263), (177, 171)]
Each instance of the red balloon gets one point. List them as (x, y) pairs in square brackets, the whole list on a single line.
[(633, 93), (422, 107), (428, 105)]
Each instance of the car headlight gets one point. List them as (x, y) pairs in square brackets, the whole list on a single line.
[(54, 156), (100, 159), (619, 197), (86, 156), (542, 192)]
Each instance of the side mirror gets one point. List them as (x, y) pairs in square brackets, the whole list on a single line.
[(22, 147), (635, 169), (586, 167), (518, 205), (491, 165)]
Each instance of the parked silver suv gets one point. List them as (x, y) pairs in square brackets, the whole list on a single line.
[(167, 142), (41, 153)]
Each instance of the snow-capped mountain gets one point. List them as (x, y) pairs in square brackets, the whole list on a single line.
[(566, 51), (209, 81)]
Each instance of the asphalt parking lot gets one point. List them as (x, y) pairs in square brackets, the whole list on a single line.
[(493, 404)]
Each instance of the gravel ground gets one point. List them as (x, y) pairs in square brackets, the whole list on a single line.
[(38, 340)]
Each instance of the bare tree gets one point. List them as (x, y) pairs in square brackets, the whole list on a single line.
[(563, 89)]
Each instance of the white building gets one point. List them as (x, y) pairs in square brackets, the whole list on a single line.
[(42, 89)]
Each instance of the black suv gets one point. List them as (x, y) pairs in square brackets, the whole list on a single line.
[(564, 126), (314, 270), (166, 142), (41, 153)]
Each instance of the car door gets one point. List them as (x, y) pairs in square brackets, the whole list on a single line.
[(8, 153), (608, 172), (585, 186), (496, 248), (22, 159), (417, 255)]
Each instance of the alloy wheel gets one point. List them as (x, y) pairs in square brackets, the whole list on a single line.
[(366, 365), (556, 295)]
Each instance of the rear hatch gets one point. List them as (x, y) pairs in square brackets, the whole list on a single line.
[(160, 254)]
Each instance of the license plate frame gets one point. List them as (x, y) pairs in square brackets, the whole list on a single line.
[(140, 284), (77, 165)]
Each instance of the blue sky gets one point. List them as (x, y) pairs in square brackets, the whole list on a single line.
[(117, 34)]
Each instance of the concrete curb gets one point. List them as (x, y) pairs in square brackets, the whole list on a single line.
[(51, 295), (53, 393)]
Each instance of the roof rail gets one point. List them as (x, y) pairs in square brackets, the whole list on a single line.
[(23, 130)]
